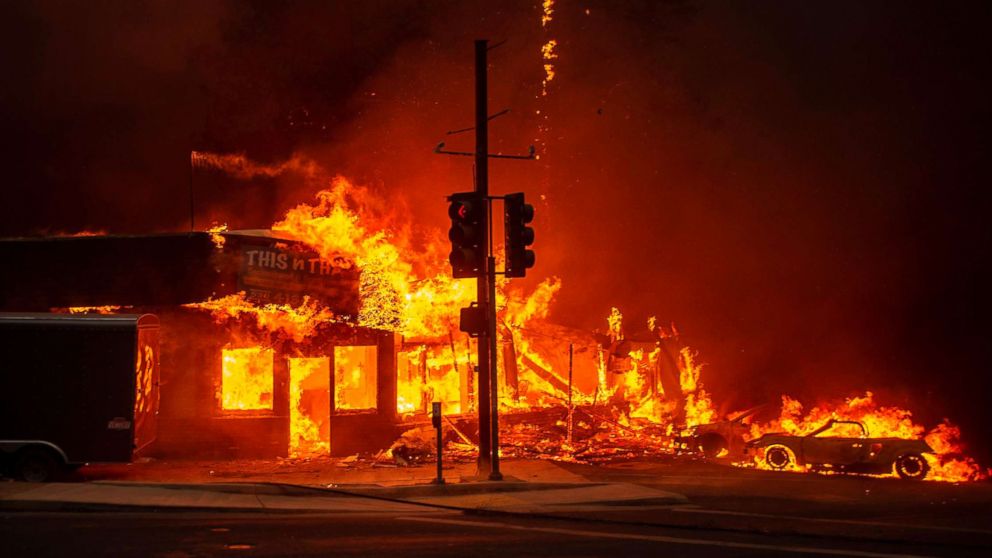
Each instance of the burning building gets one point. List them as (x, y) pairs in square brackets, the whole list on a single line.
[(333, 332), (234, 387)]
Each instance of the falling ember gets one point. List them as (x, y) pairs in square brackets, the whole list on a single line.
[(548, 10), (548, 54), (215, 236), (246, 379)]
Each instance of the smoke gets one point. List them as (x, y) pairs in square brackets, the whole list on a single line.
[(241, 167), (797, 187)]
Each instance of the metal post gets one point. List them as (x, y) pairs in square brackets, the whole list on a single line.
[(570, 408), (493, 375), (192, 225), (482, 188), (436, 419)]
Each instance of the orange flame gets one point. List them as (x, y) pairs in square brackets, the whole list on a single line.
[(307, 415), (406, 288), (246, 379), (946, 463)]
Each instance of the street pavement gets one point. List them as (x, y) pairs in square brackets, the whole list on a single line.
[(561, 509)]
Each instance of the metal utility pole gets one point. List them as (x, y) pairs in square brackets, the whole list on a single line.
[(471, 256), (487, 374)]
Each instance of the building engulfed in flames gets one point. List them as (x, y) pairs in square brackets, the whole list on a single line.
[(332, 334)]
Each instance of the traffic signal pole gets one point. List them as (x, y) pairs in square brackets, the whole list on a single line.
[(487, 377), (471, 255), (494, 474)]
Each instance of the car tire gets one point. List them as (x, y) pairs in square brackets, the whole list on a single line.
[(711, 445), (912, 466), (34, 464), (778, 457)]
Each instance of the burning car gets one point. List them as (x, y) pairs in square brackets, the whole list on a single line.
[(848, 454), (716, 439)]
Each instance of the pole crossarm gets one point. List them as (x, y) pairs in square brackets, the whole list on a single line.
[(531, 151)]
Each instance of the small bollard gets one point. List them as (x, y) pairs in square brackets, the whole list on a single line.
[(436, 420)]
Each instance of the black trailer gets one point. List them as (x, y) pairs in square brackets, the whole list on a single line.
[(75, 389)]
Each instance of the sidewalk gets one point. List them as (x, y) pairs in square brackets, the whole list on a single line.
[(529, 487), (513, 497)]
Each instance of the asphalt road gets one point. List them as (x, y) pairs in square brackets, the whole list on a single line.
[(839, 498), (731, 512), (179, 535)]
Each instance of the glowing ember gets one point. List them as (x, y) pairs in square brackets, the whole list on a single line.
[(547, 9), (548, 54), (89, 309), (246, 379), (215, 236)]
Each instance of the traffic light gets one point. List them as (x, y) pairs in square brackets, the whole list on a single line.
[(472, 320), (468, 255), (519, 236)]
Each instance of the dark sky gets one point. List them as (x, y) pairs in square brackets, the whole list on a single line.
[(799, 186)]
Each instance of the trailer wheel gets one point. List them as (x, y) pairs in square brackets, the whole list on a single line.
[(34, 464), (777, 457), (912, 466)]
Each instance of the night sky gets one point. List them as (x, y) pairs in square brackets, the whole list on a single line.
[(799, 186)]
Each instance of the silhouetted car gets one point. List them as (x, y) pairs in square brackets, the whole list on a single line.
[(859, 454), (723, 438)]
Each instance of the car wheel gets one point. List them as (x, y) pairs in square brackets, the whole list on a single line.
[(778, 457), (35, 465), (712, 444), (912, 466)]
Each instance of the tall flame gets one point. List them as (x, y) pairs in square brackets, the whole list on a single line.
[(406, 288)]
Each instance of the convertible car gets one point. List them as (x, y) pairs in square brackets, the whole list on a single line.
[(848, 454)]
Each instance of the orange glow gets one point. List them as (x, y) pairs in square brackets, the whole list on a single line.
[(81, 233), (246, 379), (429, 374), (90, 309), (547, 11), (406, 288), (548, 54), (296, 323), (355, 377), (698, 407), (309, 406), (946, 463), (413, 296), (217, 238)]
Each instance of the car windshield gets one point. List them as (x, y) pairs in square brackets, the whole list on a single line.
[(840, 430)]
